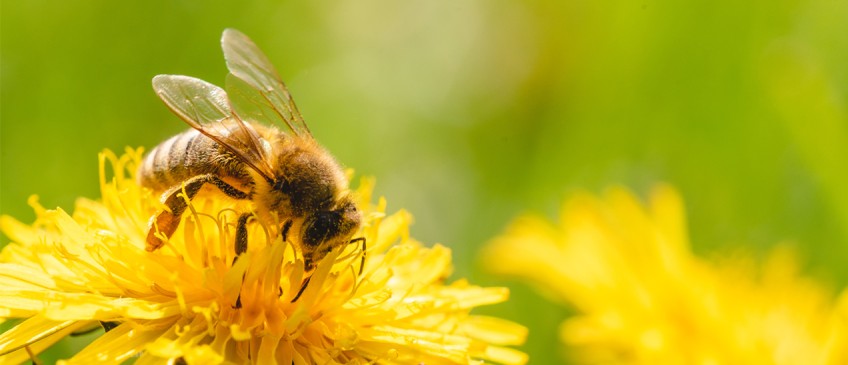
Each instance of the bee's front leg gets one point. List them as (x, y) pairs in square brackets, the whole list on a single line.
[(241, 234), (241, 246), (166, 221), (302, 288)]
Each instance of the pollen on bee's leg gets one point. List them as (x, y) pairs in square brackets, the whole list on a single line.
[(155, 239), (153, 242), (164, 223)]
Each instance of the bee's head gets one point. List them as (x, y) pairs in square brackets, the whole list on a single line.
[(325, 230)]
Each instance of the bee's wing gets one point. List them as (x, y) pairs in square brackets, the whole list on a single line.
[(205, 107), (255, 88)]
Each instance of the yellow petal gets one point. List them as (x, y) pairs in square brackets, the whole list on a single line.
[(17, 231), (504, 355), (494, 330), (121, 343), (26, 354), (35, 330)]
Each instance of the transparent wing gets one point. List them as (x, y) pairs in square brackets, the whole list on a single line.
[(205, 107), (256, 91)]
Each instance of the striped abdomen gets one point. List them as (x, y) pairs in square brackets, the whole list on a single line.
[(184, 156)]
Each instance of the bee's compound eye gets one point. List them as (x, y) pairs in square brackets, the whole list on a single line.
[(319, 228)]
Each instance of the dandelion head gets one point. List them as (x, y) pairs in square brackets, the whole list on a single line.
[(643, 297), (193, 301)]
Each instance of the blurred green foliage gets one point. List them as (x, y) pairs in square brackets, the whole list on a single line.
[(469, 112)]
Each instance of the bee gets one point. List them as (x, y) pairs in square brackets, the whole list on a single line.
[(235, 147)]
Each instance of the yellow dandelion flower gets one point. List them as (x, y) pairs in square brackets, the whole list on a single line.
[(837, 346), (644, 298), (68, 273)]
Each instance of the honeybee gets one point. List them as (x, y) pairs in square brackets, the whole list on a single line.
[(287, 175)]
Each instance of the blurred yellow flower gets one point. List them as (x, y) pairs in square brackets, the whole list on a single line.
[(66, 273), (642, 297)]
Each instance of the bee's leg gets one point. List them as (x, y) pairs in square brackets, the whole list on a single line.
[(238, 302), (302, 289), (168, 220), (364, 246), (108, 326), (241, 245), (308, 266), (91, 328), (241, 234), (286, 227)]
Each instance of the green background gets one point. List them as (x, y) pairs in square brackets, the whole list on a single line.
[(469, 112)]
